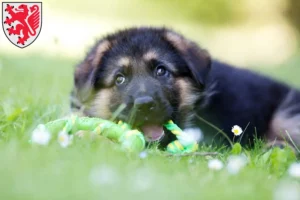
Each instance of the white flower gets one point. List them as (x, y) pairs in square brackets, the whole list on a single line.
[(104, 175), (287, 190), (215, 164), (41, 135), (236, 163), (294, 170), (143, 154), (142, 180), (236, 130), (190, 136), (64, 139)]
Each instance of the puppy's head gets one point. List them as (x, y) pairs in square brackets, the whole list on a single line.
[(143, 76)]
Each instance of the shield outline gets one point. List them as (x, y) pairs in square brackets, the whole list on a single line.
[(2, 7)]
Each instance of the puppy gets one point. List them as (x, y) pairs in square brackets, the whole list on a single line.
[(146, 76)]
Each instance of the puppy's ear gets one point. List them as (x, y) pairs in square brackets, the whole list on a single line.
[(198, 60), (85, 72), (86, 69)]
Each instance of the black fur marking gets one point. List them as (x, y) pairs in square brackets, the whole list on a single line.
[(241, 97)]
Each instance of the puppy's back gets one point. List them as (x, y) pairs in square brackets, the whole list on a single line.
[(242, 97)]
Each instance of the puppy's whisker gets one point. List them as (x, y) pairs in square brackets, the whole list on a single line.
[(132, 115), (118, 111), (243, 132), (213, 126)]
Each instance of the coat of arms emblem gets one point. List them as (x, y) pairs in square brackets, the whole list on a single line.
[(22, 22)]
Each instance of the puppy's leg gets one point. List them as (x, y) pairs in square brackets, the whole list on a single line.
[(285, 125)]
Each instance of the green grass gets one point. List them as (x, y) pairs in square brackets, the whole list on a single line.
[(35, 89)]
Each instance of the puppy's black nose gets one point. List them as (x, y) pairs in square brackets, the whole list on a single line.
[(145, 103)]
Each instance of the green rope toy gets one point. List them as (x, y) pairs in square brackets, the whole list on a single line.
[(130, 140), (180, 145)]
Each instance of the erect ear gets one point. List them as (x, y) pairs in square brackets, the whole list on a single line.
[(198, 60), (84, 76)]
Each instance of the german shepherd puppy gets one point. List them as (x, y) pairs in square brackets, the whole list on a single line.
[(146, 76)]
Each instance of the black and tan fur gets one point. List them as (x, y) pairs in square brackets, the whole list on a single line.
[(194, 85)]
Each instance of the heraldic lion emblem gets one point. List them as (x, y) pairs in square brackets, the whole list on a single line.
[(22, 22)]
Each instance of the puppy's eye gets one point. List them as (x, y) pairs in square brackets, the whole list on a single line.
[(120, 79), (161, 71)]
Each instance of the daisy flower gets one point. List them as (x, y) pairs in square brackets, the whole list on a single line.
[(143, 179), (64, 139), (236, 163), (41, 135), (289, 190), (104, 175), (143, 154), (294, 170), (236, 130), (190, 136), (215, 164)]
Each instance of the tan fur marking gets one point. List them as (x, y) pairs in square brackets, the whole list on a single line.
[(283, 124), (101, 49), (150, 55), (187, 98), (124, 61), (186, 47), (100, 107), (178, 41)]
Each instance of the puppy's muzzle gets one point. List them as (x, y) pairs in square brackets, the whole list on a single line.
[(144, 104), (146, 111)]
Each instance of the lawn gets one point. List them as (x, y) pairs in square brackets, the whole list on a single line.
[(35, 89)]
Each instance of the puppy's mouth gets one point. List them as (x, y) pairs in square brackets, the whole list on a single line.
[(150, 124), (152, 132)]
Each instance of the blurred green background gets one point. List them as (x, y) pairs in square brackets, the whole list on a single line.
[(244, 32)]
